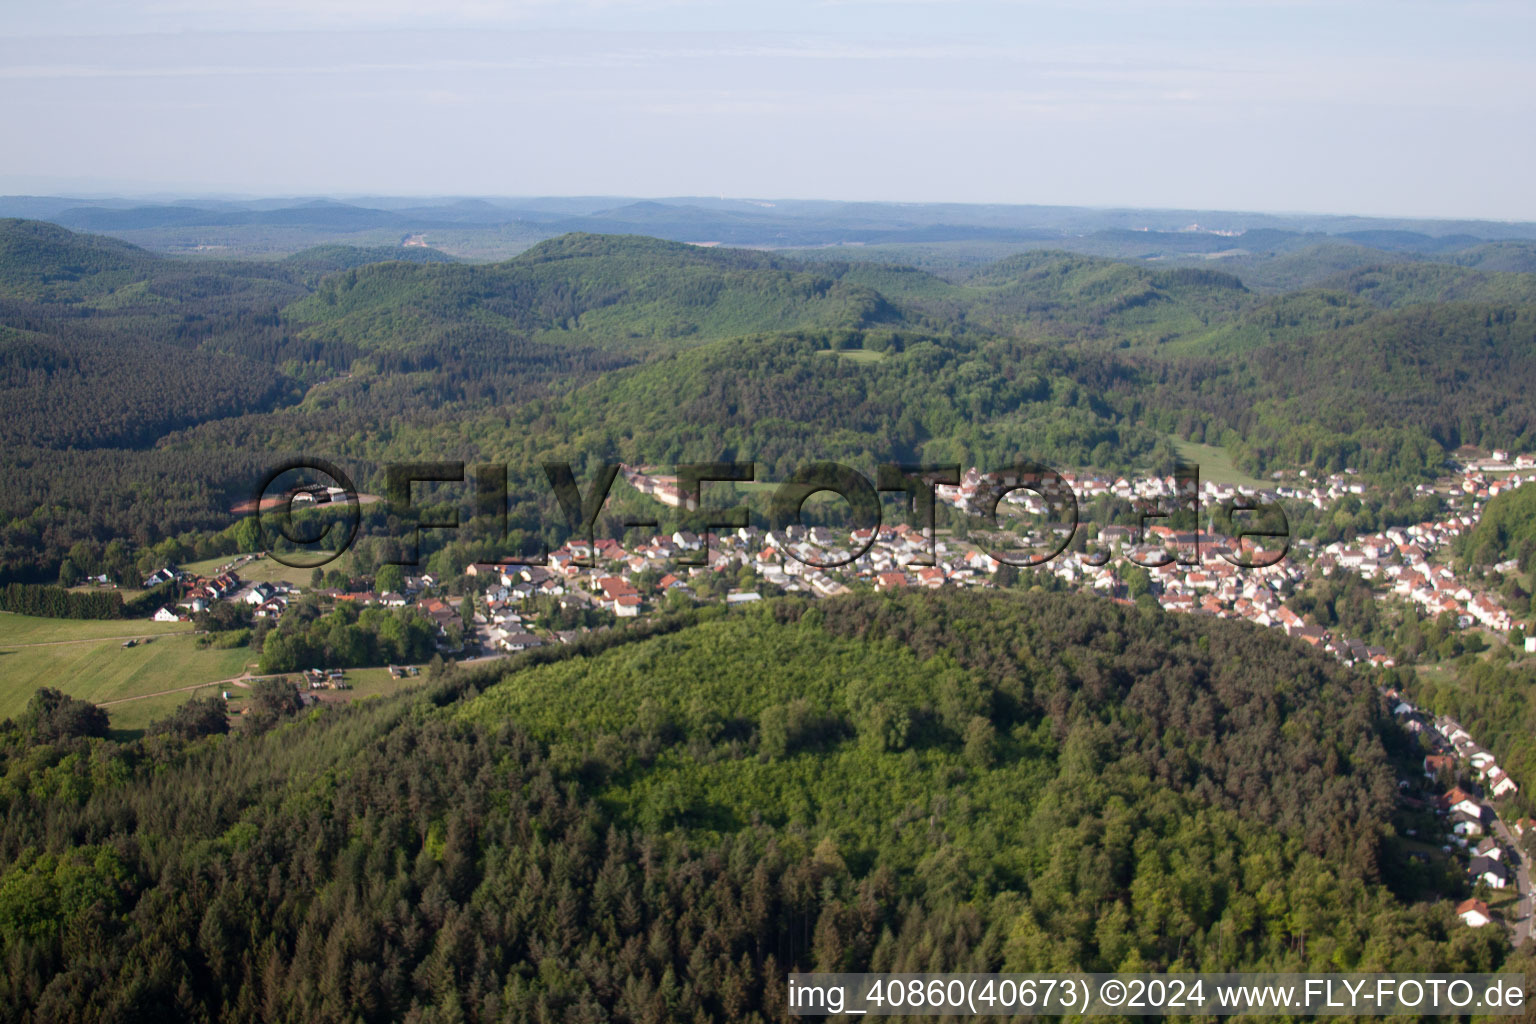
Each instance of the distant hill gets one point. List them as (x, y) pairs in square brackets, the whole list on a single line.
[(491, 228), (326, 259), (45, 262), (1290, 269), (1411, 283), (616, 292), (1411, 241), (158, 374), (95, 348), (1517, 257), (1116, 303), (336, 216)]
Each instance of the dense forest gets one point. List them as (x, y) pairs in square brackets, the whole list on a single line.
[(148, 395), (660, 822), (1506, 531)]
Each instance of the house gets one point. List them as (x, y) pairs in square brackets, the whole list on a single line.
[(614, 587), (272, 609), (1434, 764), (931, 577), (158, 577), (1500, 784), (1314, 635), (1474, 913), (626, 606), (166, 614), (890, 581), (1464, 824), (1459, 800), (259, 593), (1489, 848), (1489, 870)]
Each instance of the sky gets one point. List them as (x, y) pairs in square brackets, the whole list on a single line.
[(1400, 108)]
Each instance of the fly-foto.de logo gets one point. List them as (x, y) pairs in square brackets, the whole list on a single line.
[(996, 504)]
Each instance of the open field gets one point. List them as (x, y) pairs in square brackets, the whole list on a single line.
[(1215, 464), (102, 670), (1438, 672), (371, 682), (18, 630), (258, 570), (85, 658), (856, 355), (134, 716)]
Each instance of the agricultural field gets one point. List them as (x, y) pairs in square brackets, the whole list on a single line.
[(85, 661), (23, 630)]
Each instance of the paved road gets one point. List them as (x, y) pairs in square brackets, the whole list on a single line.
[(1521, 919)]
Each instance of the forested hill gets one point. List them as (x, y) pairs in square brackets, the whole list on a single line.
[(36, 258), (624, 292), (1506, 531), (327, 259), (146, 392), (662, 823)]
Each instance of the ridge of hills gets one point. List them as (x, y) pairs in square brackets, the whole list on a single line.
[(589, 346)]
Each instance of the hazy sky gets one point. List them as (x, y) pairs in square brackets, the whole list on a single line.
[(1401, 107)]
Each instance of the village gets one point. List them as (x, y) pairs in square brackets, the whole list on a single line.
[(601, 584), (743, 565)]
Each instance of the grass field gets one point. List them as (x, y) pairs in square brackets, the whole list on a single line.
[(85, 658), (16, 630), (96, 667), (1438, 672), (856, 355), (259, 570), (371, 682), (1215, 465), (135, 716)]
